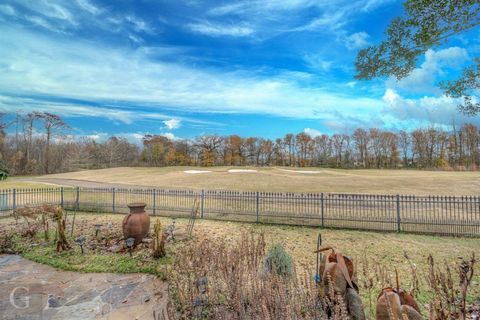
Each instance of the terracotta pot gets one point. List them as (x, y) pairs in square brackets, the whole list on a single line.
[(137, 223)]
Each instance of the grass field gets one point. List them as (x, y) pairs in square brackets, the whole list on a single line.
[(19, 182), (279, 179)]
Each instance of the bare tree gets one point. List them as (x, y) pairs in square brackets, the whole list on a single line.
[(51, 123)]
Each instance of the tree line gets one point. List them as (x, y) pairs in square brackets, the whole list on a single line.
[(40, 143)]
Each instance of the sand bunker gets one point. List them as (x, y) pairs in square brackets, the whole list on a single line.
[(196, 171), (241, 170), (302, 171)]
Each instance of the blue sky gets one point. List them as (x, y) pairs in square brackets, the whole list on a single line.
[(186, 68)]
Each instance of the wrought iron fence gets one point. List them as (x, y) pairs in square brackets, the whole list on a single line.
[(442, 215)]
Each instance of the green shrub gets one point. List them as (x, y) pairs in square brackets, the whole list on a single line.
[(278, 261)]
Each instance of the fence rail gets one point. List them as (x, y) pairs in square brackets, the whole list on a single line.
[(442, 215)]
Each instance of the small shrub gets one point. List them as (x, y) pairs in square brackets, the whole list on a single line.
[(278, 261), (6, 243), (4, 173)]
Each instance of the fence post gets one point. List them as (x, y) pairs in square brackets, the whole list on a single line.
[(77, 201), (154, 201), (61, 197), (398, 213), (322, 206), (14, 199), (113, 200), (257, 209), (202, 203)]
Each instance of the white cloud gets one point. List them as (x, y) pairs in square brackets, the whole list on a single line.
[(172, 124), (169, 135), (98, 137), (356, 40), (424, 111), (89, 72), (312, 132), (220, 30), (423, 78)]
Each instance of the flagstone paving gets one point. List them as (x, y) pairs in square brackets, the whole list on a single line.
[(34, 291)]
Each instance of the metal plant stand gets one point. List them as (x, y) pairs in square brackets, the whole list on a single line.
[(193, 217)]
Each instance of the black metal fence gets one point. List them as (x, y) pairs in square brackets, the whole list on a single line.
[(442, 215)]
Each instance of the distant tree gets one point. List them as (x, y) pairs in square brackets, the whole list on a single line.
[(305, 145), (404, 142), (338, 144), (209, 146), (3, 167), (155, 149), (361, 139), (424, 25), (289, 143), (323, 149), (265, 152), (51, 123), (3, 126)]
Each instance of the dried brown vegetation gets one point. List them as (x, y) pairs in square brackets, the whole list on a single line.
[(232, 287), (158, 240), (236, 286), (218, 272), (38, 217)]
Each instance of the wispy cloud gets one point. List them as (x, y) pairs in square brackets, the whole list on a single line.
[(138, 24), (7, 10), (82, 71), (220, 30), (69, 17), (71, 109), (277, 16), (77, 70), (89, 7), (139, 78)]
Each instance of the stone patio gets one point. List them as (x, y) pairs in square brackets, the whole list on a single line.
[(34, 291)]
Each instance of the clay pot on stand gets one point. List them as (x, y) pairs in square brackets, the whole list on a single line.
[(137, 224)]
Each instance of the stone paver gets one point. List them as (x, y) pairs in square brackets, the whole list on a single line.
[(29, 290)]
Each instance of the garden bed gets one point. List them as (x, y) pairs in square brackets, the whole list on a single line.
[(375, 255)]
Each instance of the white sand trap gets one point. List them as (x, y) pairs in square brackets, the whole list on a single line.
[(241, 171), (196, 171), (302, 171)]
